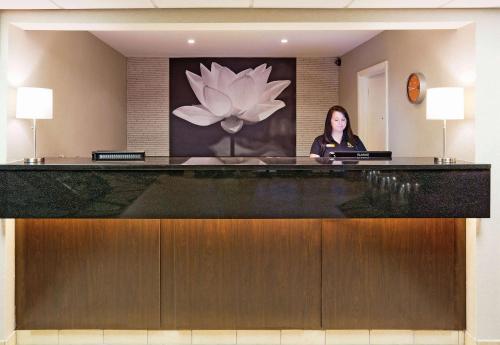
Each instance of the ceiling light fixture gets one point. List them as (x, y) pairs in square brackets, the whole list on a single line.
[(191, 41), (284, 40)]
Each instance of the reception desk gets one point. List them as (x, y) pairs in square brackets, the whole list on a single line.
[(244, 188), (242, 243)]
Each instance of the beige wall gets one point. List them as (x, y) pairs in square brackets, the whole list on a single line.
[(317, 85), (3, 89), (88, 79), (446, 58)]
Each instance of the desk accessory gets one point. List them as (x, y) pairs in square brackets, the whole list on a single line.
[(362, 155), (110, 155)]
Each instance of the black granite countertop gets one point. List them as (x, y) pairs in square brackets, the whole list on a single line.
[(244, 187), (242, 163)]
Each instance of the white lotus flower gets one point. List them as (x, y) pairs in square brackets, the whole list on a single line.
[(233, 99)]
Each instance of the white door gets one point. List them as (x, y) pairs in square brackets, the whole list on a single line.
[(375, 122), (373, 110)]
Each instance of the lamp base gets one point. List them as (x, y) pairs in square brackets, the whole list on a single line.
[(444, 160), (34, 160)]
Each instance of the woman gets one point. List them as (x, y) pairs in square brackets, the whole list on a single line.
[(338, 135)]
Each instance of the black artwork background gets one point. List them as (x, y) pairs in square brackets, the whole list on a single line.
[(275, 136)]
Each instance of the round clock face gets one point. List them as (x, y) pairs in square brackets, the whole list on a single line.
[(415, 87)]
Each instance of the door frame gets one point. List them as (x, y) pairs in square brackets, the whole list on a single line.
[(363, 76)]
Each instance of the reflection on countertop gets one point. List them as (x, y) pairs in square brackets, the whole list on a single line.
[(243, 163)]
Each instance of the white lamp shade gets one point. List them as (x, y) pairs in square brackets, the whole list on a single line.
[(445, 103), (34, 103)]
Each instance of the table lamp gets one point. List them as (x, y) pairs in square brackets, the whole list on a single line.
[(34, 103), (445, 103)]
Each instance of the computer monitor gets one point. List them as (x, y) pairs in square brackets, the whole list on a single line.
[(361, 155)]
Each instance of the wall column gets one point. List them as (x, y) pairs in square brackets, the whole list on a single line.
[(487, 256), (7, 283), (7, 268)]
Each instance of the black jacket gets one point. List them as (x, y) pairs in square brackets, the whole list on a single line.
[(323, 150)]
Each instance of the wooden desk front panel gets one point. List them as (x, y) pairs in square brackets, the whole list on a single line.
[(87, 274), (240, 274), (394, 274)]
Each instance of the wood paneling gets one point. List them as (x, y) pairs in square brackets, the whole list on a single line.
[(394, 273), (279, 276), (460, 274), (243, 274), (204, 273), (240, 274), (73, 273)]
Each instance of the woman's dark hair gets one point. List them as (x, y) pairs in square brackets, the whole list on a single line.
[(327, 135)]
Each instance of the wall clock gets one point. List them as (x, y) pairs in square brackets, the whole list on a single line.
[(415, 88)]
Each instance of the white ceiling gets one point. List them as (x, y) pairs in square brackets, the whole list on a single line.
[(95, 4), (236, 39), (227, 39), (235, 43)]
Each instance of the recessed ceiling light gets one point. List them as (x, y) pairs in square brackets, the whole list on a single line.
[(191, 41), (284, 40)]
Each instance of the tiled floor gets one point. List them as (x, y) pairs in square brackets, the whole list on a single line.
[(244, 337)]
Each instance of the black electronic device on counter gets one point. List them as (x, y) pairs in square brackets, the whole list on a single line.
[(361, 155), (105, 155)]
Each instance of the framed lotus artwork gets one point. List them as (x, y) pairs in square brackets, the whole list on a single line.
[(232, 107)]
